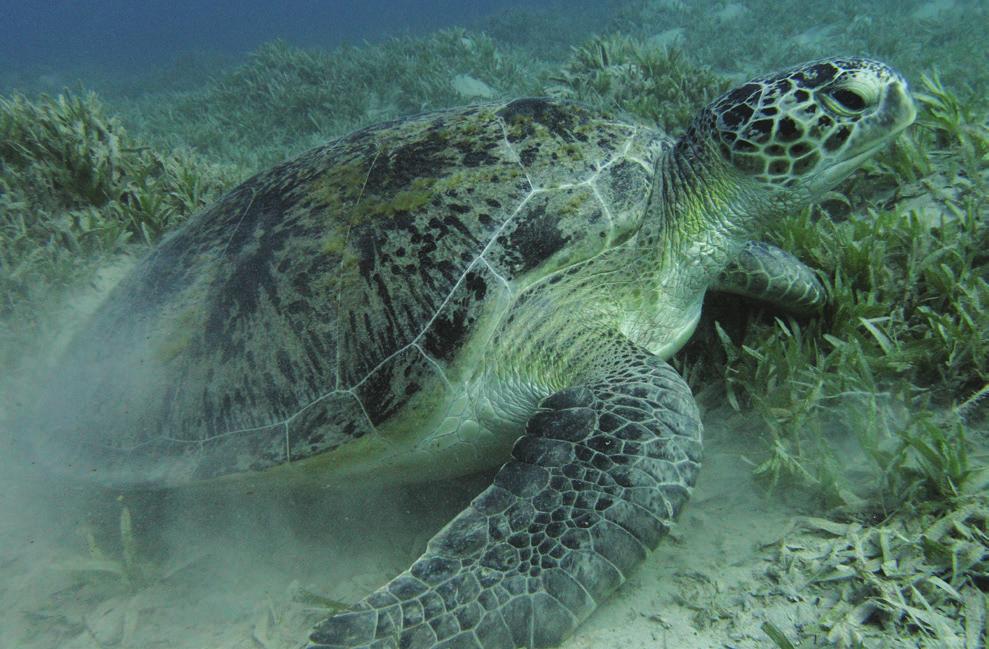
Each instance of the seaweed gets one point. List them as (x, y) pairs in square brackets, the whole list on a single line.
[(75, 188), (285, 98), (661, 86), (905, 330), (917, 577)]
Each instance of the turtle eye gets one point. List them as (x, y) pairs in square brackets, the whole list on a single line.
[(845, 101)]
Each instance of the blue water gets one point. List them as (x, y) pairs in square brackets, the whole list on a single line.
[(121, 34)]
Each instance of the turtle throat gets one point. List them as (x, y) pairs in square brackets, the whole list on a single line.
[(702, 211)]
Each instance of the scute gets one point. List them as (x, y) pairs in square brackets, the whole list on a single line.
[(559, 142), (312, 303)]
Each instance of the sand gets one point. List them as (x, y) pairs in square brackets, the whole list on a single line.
[(225, 569)]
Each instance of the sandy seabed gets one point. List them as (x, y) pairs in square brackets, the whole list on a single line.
[(226, 568)]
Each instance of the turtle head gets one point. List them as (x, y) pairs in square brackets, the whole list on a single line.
[(799, 132)]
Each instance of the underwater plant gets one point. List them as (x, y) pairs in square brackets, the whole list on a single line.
[(125, 565), (730, 37), (907, 323), (919, 578), (75, 188), (284, 99), (661, 86)]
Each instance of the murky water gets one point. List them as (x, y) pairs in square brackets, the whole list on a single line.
[(192, 100)]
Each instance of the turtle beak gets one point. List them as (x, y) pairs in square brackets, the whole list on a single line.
[(897, 109), (894, 111)]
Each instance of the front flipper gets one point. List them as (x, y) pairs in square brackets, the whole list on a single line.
[(595, 482), (764, 272)]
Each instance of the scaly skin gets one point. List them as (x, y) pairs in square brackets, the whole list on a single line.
[(607, 462), (764, 272), (593, 485)]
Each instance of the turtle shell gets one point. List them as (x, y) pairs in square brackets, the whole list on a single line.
[(331, 297)]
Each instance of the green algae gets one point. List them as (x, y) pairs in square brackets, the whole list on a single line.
[(418, 195)]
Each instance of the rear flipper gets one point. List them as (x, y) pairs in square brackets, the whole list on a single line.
[(764, 272), (592, 486)]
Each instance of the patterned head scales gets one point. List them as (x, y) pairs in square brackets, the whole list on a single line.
[(808, 127)]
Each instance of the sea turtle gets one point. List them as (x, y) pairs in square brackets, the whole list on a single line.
[(495, 284)]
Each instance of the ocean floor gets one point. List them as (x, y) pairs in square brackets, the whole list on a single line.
[(233, 569), (254, 565)]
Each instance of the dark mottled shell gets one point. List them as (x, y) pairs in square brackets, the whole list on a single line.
[(313, 302)]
